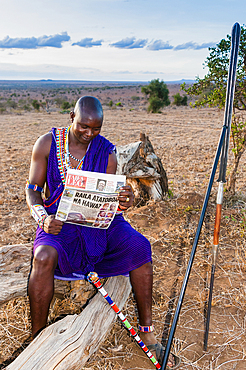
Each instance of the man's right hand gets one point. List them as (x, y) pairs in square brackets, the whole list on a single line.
[(52, 226)]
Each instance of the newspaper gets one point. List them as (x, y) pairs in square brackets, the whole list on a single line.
[(90, 198)]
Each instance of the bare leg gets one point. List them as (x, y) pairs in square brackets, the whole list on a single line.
[(41, 286), (142, 283)]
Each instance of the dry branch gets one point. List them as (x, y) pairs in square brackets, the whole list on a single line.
[(69, 343)]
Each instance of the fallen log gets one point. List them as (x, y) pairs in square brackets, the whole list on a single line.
[(69, 343), (14, 269)]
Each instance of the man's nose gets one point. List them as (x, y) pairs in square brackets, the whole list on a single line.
[(89, 132)]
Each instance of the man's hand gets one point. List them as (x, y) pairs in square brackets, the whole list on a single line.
[(126, 197), (52, 226)]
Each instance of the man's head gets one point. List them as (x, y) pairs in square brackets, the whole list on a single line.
[(88, 105), (101, 185), (87, 118)]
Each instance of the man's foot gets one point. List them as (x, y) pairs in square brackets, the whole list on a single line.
[(158, 350)]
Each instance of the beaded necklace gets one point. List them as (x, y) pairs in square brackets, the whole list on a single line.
[(63, 153), (67, 154)]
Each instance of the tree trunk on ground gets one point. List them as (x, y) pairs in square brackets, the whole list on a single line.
[(14, 269), (143, 169), (70, 342)]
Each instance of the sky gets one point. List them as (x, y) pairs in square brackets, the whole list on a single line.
[(112, 40)]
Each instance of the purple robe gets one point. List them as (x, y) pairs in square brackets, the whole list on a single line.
[(114, 251)]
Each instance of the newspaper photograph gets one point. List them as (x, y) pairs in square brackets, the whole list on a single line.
[(90, 198)]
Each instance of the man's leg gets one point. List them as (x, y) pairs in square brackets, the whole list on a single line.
[(41, 286), (142, 283)]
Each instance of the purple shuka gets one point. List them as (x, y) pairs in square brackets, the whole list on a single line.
[(114, 251)]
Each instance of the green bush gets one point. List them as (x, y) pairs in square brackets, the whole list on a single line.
[(11, 103), (65, 111), (119, 104), (110, 103), (27, 107), (65, 105), (135, 97), (155, 104), (179, 100), (157, 95), (35, 104)]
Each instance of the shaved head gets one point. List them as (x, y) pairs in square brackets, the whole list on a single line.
[(90, 106)]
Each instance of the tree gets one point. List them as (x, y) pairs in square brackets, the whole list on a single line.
[(65, 105), (157, 95), (211, 91), (35, 104), (179, 100)]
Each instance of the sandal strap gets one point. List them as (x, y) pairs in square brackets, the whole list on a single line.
[(146, 329), (159, 349)]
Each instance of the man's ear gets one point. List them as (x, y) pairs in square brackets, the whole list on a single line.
[(72, 115)]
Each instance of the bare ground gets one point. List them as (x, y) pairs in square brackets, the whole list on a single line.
[(185, 139)]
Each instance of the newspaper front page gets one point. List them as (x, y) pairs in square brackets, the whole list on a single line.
[(90, 198)]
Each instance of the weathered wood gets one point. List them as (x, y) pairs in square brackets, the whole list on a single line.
[(69, 343), (14, 269), (143, 169)]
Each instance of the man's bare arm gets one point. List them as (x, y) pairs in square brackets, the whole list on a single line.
[(38, 168), (38, 175)]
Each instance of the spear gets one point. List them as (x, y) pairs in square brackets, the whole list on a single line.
[(235, 38), (92, 277), (229, 99)]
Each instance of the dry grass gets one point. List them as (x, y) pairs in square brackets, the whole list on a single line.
[(186, 141)]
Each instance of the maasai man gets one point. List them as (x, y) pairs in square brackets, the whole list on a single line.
[(61, 249)]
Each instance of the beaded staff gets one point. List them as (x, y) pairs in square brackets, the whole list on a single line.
[(92, 277)]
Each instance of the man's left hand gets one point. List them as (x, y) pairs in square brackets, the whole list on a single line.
[(126, 197)]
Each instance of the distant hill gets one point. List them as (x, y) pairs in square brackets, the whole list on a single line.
[(179, 82), (66, 83)]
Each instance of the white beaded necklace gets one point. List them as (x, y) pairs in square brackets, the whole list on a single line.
[(67, 154)]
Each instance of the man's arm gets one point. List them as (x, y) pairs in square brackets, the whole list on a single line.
[(126, 196), (37, 176), (38, 168)]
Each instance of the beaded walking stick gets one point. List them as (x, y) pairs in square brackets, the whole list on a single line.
[(92, 277)]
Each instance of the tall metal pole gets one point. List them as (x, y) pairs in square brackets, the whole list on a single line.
[(233, 61), (235, 38)]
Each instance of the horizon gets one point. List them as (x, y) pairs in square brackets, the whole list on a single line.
[(92, 81)]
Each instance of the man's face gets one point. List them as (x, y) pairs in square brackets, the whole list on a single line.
[(86, 126), (101, 185)]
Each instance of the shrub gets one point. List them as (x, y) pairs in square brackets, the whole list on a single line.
[(35, 104), (155, 104), (157, 93), (179, 100), (110, 103), (65, 105), (12, 104)]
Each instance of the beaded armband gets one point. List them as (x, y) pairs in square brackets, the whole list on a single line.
[(34, 187), (119, 210), (146, 329), (39, 214)]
